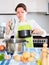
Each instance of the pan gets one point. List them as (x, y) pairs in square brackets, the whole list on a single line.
[(24, 33)]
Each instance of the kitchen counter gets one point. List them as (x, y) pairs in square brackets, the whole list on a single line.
[(13, 62), (40, 35)]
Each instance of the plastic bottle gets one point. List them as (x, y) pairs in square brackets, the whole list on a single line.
[(44, 54)]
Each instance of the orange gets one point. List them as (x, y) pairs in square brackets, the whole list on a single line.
[(24, 60), (2, 47)]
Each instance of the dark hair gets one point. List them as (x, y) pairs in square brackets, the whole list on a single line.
[(21, 5)]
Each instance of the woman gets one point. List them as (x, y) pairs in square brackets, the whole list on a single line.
[(24, 24)]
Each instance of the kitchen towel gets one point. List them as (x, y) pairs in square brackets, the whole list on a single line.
[(13, 62)]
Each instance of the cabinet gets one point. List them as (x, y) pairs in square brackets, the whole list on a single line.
[(48, 7), (31, 4), (8, 6), (42, 5)]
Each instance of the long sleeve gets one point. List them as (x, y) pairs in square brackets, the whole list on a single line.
[(34, 25)]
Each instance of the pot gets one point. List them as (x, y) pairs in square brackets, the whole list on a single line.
[(24, 33), (13, 45)]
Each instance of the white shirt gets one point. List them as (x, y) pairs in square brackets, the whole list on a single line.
[(32, 23)]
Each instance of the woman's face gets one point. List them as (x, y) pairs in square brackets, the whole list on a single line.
[(21, 13)]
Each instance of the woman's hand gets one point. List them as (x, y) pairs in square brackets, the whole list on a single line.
[(37, 31), (8, 25)]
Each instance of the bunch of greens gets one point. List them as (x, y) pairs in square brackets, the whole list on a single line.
[(2, 57)]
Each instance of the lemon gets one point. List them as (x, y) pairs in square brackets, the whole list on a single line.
[(39, 62)]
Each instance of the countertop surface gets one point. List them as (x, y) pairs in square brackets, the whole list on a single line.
[(40, 35), (13, 62)]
